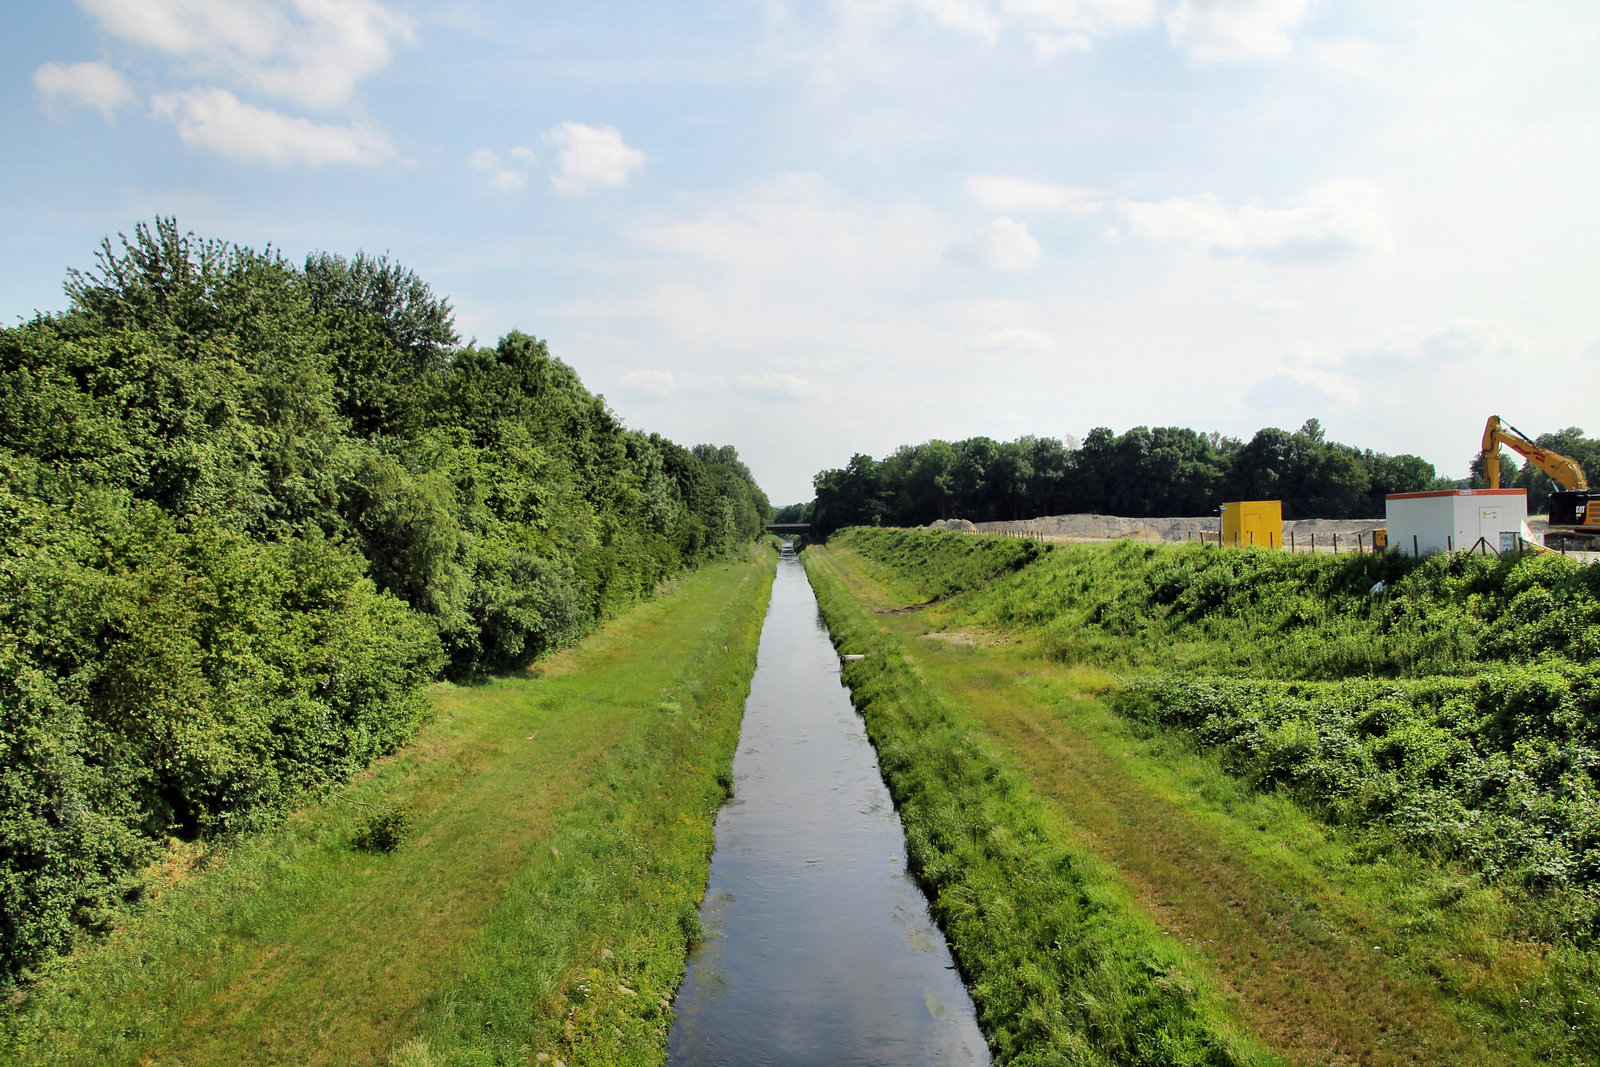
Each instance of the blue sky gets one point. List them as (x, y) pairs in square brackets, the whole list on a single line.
[(812, 229)]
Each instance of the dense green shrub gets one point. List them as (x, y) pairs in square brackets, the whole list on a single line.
[(173, 680), (384, 830), (1499, 772), (247, 509)]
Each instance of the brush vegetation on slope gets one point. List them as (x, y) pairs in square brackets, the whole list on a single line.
[(1451, 714)]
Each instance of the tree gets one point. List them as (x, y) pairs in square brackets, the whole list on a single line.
[(418, 323), (1051, 464), (849, 497), (1395, 474)]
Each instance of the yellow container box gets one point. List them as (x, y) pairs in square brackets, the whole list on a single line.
[(1253, 522)]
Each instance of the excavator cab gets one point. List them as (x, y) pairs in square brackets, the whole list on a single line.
[(1575, 509)]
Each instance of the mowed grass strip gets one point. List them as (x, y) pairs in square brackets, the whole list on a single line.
[(561, 831), (1306, 958)]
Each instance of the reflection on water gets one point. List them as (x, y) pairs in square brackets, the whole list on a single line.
[(818, 948)]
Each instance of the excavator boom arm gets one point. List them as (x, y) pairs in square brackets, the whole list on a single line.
[(1563, 471)]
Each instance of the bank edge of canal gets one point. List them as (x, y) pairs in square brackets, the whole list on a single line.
[(820, 950), (1062, 966)]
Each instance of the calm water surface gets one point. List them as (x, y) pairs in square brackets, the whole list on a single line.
[(819, 948)]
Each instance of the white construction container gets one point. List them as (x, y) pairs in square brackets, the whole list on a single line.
[(1462, 520)]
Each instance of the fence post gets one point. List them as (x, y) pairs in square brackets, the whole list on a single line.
[(1414, 550), (1449, 543), (1313, 544), (1335, 544)]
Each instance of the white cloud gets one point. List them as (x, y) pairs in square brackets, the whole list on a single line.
[(1331, 221), (1094, 16), (1016, 339), (314, 52), (1207, 29), (790, 265), (1450, 349), (1019, 195), (590, 158), (1362, 61), (1003, 244), (507, 178), (773, 386), (96, 85), (217, 120), (1301, 392), (1255, 295), (666, 383), (800, 229), (524, 154), (1053, 23), (1053, 44), (1211, 31), (973, 15)]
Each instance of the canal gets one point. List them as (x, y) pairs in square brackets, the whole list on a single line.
[(819, 948)]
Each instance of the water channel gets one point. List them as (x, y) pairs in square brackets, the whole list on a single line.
[(819, 948)]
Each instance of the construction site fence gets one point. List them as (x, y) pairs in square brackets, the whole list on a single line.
[(1363, 543)]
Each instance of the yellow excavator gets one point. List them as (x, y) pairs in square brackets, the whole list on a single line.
[(1574, 507)]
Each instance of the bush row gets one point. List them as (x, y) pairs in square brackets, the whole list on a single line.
[(247, 508), (1499, 772)]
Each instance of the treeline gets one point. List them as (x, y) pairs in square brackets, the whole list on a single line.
[(1142, 473), (248, 508)]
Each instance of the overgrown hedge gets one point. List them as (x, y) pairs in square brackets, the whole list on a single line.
[(247, 508), (1499, 772)]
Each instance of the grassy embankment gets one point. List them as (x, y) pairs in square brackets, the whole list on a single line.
[(542, 902), (1311, 836)]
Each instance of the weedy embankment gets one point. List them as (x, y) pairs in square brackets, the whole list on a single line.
[(1372, 815), (1061, 966), (528, 882)]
